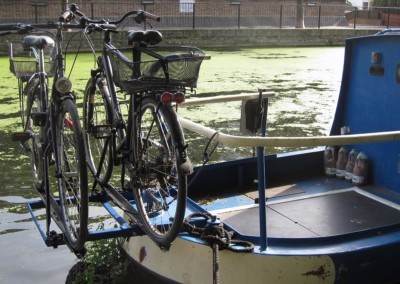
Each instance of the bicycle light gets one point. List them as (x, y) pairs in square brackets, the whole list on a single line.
[(179, 97), (166, 98), (63, 85)]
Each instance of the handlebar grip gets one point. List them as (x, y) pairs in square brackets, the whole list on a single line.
[(151, 16), (10, 27)]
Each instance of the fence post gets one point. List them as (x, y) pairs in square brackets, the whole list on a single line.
[(238, 16), (238, 4), (319, 16), (280, 16), (355, 16), (194, 16), (145, 3), (34, 4), (92, 10), (35, 8), (388, 20)]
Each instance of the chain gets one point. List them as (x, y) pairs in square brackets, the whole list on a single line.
[(217, 237)]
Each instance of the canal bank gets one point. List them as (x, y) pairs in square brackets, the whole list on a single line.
[(261, 37)]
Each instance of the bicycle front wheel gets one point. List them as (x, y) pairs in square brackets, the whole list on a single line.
[(159, 186), (97, 123), (72, 175)]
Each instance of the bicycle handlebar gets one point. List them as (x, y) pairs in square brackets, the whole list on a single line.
[(21, 28), (139, 16), (16, 27)]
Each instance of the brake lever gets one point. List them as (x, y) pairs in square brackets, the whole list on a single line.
[(24, 29)]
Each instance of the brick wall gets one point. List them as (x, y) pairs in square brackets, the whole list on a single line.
[(234, 37)]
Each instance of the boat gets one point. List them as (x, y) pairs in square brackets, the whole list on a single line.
[(280, 218), (292, 217)]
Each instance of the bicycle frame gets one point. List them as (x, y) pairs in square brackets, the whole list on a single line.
[(120, 126), (150, 144), (45, 145)]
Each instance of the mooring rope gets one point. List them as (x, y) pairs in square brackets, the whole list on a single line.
[(217, 237)]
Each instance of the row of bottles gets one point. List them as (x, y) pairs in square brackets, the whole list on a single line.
[(351, 166)]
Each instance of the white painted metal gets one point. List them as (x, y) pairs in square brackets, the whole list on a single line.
[(226, 98), (190, 262), (242, 141)]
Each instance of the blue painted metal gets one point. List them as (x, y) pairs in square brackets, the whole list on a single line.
[(124, 229), (121, 221), (261, 196), (47, 239), (369, 102), (262, 185)]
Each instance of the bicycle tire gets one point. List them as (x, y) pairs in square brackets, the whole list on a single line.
[(97, 115), (159, 186), (72, 175), (34, 104)]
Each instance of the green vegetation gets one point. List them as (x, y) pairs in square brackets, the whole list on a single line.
[(103, 263)]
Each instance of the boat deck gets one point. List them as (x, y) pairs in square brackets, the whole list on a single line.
[(320, 207)]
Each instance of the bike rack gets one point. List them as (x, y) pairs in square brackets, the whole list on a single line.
[(129, 229), (125, 229), (55, 239)]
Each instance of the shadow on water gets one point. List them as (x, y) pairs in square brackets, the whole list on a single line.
[(306, 81)]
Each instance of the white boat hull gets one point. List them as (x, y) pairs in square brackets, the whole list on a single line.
[(192, 262)]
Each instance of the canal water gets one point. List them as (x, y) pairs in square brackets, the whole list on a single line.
[(306, 81)]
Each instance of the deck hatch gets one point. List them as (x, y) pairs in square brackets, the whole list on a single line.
[(317, 216)]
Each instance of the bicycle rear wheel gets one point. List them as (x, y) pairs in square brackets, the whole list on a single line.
[(72, 175), (33, 121), (97, 122), (159, 186)]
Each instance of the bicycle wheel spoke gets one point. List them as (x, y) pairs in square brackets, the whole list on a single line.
[(72, 176), (97, 121), (160, 190), (34, 145)]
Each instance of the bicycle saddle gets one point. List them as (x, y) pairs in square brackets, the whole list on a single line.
[(39, 42), (144, 38)]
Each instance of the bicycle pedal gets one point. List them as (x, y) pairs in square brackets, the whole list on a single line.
[(101, 131), (39, 118), (21, 136)]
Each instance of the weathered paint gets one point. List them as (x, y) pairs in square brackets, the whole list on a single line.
[(190, 262)]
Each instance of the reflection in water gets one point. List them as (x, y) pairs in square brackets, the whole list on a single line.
[(306, 81)]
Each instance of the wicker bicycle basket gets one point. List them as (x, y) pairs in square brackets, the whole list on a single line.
[(175, 67), (23, 62)]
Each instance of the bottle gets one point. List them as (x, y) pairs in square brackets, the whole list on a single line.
[(351, 161), (360, 170), (330, 161), (341, 162)]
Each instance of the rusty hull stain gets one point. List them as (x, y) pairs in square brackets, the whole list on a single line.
[(142, 254), (320, 272)]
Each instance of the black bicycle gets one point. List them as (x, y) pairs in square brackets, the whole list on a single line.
[(148, 140), (52, 133)]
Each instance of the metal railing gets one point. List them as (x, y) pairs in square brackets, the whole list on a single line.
[(218, 15)]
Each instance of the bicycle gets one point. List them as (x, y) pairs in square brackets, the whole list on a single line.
[(52, 132), (150, 144)]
